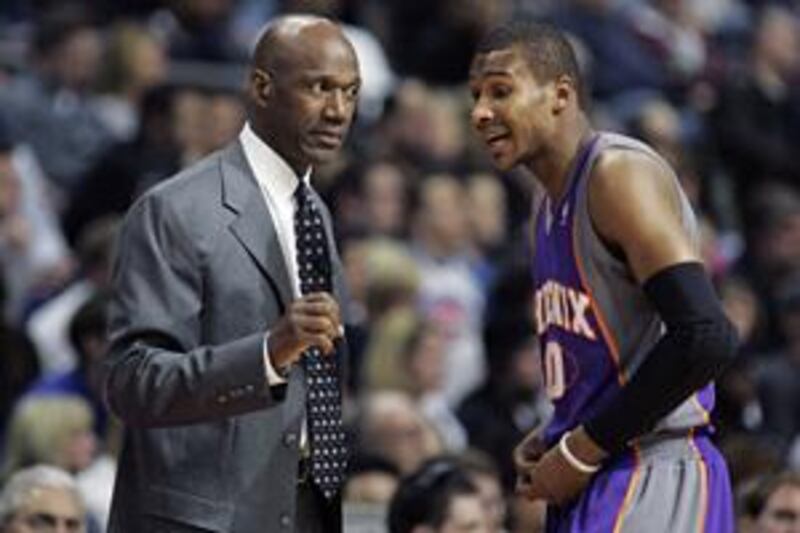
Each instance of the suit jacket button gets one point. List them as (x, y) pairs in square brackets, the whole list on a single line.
[(250, 388), (286, 520), (289, 439), (222, 399)]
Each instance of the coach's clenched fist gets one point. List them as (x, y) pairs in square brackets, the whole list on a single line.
[(312, 320)]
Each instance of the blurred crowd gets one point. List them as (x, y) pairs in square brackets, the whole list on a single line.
[(101, 99)]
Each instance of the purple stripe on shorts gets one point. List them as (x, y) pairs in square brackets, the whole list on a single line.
[(597, 509), (719, 509)]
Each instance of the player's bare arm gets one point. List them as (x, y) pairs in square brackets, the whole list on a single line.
[(635, 208)]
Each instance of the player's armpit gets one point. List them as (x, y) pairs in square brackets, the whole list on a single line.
[(635, 207)]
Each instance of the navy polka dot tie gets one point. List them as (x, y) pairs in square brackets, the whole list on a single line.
[(324, 406)]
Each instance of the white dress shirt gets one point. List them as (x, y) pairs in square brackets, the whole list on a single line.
[(278, 182)]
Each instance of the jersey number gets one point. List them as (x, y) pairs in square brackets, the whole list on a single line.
[(553, 370)]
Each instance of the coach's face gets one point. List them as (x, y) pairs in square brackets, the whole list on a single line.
[(512, 111), (308, 102)]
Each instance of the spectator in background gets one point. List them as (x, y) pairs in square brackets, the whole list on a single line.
[(133, 64), (50, 106), (385, 193), (434, 40), (779, 376), (382, 278), (773, 505), (41, 498), (391, 426), (487, 214), (199, 30), (55, 430), (485, 475), (406, 352), (449, 291), (126, 170), (33, 254), (19, 366), (439, 497), (87, 334), (49, 325), (371, 479), (670, 29), (512, 401), (620, 64), (738, 407), (757, 120)]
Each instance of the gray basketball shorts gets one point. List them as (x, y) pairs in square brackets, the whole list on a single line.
[(675, 484)]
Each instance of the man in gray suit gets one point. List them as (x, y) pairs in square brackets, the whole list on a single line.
[(211, 314)]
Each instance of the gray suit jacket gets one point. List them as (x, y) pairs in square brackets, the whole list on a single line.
[(199, 278)]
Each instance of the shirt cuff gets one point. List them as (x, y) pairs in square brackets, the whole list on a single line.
[(273, 376)]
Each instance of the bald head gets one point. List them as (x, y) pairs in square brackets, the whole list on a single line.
[(287, 37)]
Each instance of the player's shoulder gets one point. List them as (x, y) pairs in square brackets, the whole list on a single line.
[(622, 170)]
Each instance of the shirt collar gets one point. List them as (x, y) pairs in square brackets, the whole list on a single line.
[(272, 172)]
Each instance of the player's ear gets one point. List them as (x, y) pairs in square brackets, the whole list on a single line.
[(260, 86), (564, 92)]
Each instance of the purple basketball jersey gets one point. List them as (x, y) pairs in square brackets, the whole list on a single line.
[(594, 322)]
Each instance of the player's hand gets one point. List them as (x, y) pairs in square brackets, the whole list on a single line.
[(554, 479), (312, 320), (525, 456)]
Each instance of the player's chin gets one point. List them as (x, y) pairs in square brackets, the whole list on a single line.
[(503, 160)]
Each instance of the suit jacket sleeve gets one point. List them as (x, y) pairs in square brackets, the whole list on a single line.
[(158, 373)]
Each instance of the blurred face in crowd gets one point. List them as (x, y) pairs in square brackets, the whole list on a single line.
[(781, 513), (147, 61), (78, 58), (778, 42), (427, 360), (385, 195), (370, 487), (48, 510), (443, 216), (303, 91), (491, 494), (78, 450), (396, 430), (487, 210), (512, 111), (465, 515)]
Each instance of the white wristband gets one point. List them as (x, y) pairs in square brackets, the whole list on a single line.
[(576, 463)]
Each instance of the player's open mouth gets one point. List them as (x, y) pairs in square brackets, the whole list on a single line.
[(495, 140)]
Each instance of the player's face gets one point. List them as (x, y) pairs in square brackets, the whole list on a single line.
[(511, 109)]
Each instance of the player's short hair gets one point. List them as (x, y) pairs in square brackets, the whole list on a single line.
[(547, 50)]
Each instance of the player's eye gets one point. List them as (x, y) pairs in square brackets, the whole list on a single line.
[(500, 91)]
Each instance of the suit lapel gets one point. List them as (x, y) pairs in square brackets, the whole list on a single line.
[(253, 226)]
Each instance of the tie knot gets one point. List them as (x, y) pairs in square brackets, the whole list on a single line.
[(301, 193)]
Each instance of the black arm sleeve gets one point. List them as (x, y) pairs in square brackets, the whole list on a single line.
[(699, 343)]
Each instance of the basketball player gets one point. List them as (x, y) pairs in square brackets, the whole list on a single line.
[(632, 332)]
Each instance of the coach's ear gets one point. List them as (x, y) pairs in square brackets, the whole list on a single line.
[(259, 86)]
